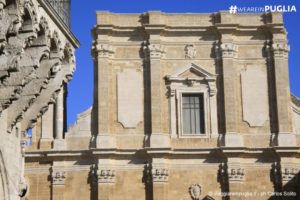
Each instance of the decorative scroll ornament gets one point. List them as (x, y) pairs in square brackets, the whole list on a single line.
[(190, 51), (195, 191)]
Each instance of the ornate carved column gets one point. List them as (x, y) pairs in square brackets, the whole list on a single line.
[(59, 142), (102, 52)]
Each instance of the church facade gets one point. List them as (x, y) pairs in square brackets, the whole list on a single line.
[(186, 106)]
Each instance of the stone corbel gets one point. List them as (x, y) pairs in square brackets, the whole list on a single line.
[(212, 88), (229, 50)]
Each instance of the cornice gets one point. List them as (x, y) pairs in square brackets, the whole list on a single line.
[(59, 22)]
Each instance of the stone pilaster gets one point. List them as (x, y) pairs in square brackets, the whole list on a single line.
[(102, 52), (160, 178), (154, 51), (58, 177), (280, 51), (106, 177), (59, 142)]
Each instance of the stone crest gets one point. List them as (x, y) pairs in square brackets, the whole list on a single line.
[(195, 191), (190, 51)]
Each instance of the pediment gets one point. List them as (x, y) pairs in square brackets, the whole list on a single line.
[(191, 71)]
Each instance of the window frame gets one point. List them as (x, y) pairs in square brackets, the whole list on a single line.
[(179, 105)]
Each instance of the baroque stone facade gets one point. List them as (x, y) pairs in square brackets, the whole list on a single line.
[(137, 141), (36, 62)]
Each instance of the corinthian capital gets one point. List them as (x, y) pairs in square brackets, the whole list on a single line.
[(280, 49), (229, 50), (153, 50), (102, 50)]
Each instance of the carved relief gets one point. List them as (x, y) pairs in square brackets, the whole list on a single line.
[(190, 51), (160, 175), (195, 191)]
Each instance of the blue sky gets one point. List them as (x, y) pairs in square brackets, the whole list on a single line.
[(83, 18)]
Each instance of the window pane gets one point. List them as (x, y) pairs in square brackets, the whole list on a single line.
[(193, 114)]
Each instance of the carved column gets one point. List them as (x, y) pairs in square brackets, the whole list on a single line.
[(58, 177), (154, 51), (102, 52), (47, 128), (59, 142)]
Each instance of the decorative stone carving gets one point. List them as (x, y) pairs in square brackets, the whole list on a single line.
[(190, 51), (58, 177), (255, 96), (23, 188), (106, 176), (103, 50), (2, 4), (289, 173), (153, 50), (160, 175), (229, 50), (280, 49), (236, 174), (195, 191)]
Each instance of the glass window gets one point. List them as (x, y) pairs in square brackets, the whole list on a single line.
[(193, 114)]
